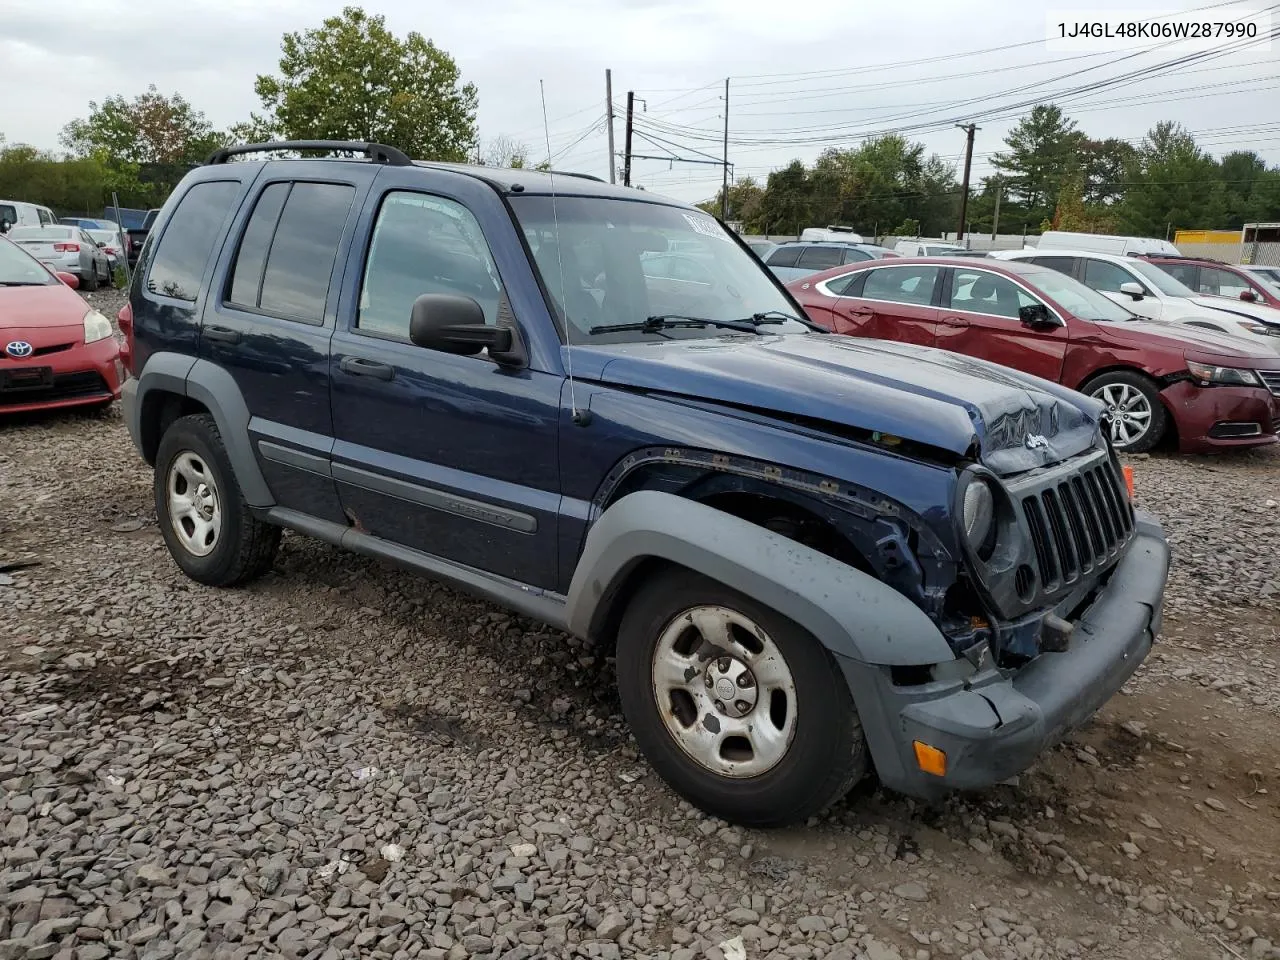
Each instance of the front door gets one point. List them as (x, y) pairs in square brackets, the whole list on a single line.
[(979, 318), (447, 454), (891, 303), (1106, 278)]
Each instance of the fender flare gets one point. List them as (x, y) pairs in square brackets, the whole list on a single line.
[(215, 389), (851, 613)]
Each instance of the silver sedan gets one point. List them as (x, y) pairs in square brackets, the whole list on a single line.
[(68, 249)]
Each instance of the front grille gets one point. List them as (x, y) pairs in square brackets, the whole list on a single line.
[(1271, 380), (1078, 524), (65, 386), (56, 348)]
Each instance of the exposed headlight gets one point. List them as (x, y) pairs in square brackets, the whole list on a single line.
[(1253, 326), (1207, 373), (979, 517), (96, 327)]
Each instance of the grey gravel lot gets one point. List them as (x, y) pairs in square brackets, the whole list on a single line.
[(345, 761)]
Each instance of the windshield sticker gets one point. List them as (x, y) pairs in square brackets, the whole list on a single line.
[(706, 227)]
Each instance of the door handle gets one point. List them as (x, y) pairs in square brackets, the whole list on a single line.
[(360, 367), (954, 322), (221, 335)]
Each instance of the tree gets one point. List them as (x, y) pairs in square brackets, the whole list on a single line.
[(1043, 151), (745, 198), (1172, 184), (503, 151), (1245, 183), (353, 79), (149, 129), (1072, 213), (1104, 164)]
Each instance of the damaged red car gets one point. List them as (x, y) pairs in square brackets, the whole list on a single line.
[(55, 349), (1208, 390)]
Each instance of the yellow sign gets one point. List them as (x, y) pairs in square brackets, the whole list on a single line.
[(1206, 236)]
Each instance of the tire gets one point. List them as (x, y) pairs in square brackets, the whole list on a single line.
[(91, 281), (823, 750), (216, 540), (1135, 393)]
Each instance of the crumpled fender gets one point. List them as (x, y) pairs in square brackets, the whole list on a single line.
[(849, 612)]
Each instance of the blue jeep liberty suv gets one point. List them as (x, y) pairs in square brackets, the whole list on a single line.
[(813, 556)]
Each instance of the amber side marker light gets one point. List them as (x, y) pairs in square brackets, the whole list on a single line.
[(930, 759), (1128, 479)]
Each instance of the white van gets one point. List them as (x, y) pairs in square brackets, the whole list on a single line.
[(925, 247), (1105, 243), (19, 213), (831, 232)]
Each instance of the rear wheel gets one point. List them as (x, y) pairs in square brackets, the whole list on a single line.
[(91, 281), (209, 529), (740, 710), (1137, 416)]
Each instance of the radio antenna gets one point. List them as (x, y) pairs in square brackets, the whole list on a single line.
[(580, 417)]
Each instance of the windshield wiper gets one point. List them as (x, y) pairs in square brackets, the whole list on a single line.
[(665, 321), (778, 316), (22, 283)]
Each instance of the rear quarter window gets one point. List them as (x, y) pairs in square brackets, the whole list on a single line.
[(784, 257), (178, 262)]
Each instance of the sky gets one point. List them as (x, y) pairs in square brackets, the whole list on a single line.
[(798, 83)]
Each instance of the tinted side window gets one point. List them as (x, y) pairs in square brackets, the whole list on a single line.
[(1221, 283), (177, 264), (785, 256), (44, 214), (1184, 273), (295, 282), (424, 244), (1105, 276), (251, 259), (854, 255), (1065, 265), (820, 258), (912, 285), (845, 286), (978, 291)]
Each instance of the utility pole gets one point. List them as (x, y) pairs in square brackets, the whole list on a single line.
[(724, 190), (995, 217), (608, 109), (968, 161), (626, 156)]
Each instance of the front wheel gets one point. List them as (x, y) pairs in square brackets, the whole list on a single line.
[(740, 710), (1137, 416)]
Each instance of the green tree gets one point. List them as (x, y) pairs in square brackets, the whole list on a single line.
[(1072, 213), (787, 206), (69, 186), (745, 197), (1172, 184), (353, 79), (503, 151), (1043, 150), (1104, 164)]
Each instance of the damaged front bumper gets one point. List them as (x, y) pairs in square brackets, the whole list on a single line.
[(993, 724)]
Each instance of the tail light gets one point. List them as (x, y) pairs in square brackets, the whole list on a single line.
[(125, 319), (66, 248)]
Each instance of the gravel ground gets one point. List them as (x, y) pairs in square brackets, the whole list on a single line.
[(345, 761)]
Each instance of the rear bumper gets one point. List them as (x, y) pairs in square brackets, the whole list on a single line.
[(993, 726), (1211, 418)]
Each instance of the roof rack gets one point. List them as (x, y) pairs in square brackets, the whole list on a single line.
[(377, 152), (570, 173)]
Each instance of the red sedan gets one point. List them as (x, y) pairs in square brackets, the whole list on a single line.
[(1216, 279), (1212, 389), (55, 350)]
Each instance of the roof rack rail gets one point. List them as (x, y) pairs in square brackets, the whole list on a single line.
[(377, 152), (581, 176)]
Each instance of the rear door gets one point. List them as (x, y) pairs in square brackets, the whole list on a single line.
[(891, 303), (979, 318), (272, 318)]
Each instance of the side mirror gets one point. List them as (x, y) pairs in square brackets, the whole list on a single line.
[(1132, 289), (455, 324), (1038, 315), (1248, 296), (70, 279)]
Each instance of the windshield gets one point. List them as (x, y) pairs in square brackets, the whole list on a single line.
[(1074, 297), (1162, 281), (625, 261), (18, 268)]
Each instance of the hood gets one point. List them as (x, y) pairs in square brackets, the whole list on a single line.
[(55, 305), (1238, 308), (945, 400), (1194, 341)]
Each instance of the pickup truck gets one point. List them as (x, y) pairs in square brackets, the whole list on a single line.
[(137, 236), (815, 558)]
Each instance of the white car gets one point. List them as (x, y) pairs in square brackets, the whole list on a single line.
[(1149, 292), (926, 247)]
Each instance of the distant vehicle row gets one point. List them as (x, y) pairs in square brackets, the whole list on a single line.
[(1212, 389)]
